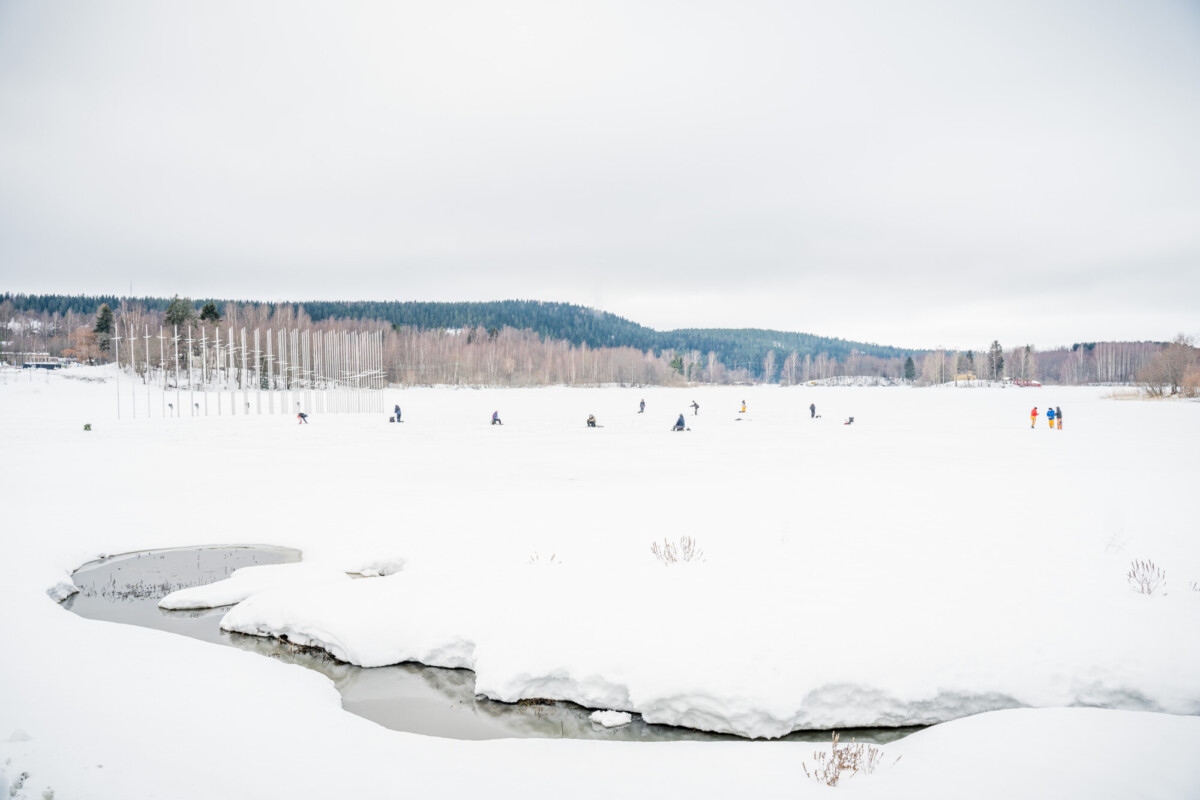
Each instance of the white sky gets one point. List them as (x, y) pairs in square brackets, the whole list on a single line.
[(908, 173)]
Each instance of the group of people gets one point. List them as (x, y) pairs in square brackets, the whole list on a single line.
[(1053, 416)]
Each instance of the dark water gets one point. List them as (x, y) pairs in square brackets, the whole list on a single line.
[(405, 697)]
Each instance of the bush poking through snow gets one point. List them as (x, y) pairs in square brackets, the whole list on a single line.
[(1195, 586), (552, 561), (1146, 578), (854, 758), (672, 553)]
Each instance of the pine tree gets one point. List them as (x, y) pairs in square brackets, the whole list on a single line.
[(180, 312), (995, 361), (209, 313), (910, 369), (104, 327)]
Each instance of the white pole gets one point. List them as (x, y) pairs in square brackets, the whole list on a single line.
[(257, 376), (147, 376), (204, 366), (116, 340), (229, 373), (132, 372), (191, 386), (175, 341), (270, 371), (162, 365)]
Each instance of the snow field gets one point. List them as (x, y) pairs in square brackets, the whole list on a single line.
[(937, 558)]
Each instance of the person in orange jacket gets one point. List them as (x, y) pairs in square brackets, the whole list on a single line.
[(1033, 417)]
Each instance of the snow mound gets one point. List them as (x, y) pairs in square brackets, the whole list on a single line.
[(378, 566), (249, 581), (611, 719)]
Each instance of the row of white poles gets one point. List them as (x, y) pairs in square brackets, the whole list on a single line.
[(325, 372)]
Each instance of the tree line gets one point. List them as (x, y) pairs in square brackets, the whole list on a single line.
[(507, 355), (740, 352)]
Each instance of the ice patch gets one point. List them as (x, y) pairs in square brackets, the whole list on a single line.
[(612, 719), (249, 581)]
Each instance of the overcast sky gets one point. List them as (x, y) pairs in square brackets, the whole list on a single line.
[(911, 173)]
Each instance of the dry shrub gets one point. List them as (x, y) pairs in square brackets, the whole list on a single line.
[(552, 561), (671, 553), (1145, 577), (829, 767)]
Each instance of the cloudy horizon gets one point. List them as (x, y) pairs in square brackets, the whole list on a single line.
[(917, 175)]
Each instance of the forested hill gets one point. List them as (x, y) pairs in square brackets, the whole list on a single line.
[(744, 347)]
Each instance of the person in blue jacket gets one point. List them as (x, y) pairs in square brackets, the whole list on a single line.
[(1050, 416), (496, 418), (679, 424)]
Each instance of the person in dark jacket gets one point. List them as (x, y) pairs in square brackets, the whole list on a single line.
[(303, 418), (642, 407), (679, 424), (397, 412), (812, 410), (496, 418), (1058, 416), (695, 408)]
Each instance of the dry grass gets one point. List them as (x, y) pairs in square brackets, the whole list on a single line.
[(1145, 577), (677, 553), (831, 767)]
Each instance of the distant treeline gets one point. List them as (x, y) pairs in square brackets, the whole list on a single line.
[(740, 351)]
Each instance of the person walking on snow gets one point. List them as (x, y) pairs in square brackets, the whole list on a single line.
[(1033, 417), (1050, 416), (812, 410), (695, 408), (1058, 416), (642, 407)]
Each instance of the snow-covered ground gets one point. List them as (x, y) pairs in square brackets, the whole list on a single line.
[(935, 559)]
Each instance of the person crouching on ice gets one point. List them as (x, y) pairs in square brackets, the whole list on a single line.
[(679, 424), (496, 418), (1033, 417), (591, 420)]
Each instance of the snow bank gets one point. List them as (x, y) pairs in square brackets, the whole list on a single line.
[(249, 581), (738, 662)]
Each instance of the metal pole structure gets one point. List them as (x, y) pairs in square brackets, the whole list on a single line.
[(175, 341), (358, 376), (147, 376), (191, 386), (204, 366), (132, 339), (257, 376), (116, 340), (270, 372), (245, 374), (229, 372), (162, 365)]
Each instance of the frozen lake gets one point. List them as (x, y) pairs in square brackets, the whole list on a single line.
[(937, 562)]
